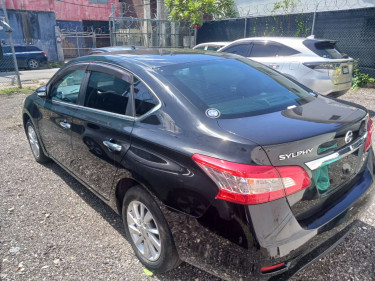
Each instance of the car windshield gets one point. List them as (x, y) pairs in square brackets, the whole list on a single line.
[(235, 87)]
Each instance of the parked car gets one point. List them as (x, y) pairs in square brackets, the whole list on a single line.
[(210, 46), (317, 64), (110, 49), (28, 56), (212, 159)]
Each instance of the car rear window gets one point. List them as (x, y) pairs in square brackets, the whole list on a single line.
[(324, 49), (213, 48), (199, 47), (235, 87)]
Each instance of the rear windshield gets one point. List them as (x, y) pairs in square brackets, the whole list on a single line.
[(235, 87), (324, 49)]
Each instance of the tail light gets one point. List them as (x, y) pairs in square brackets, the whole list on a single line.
[(319, 65), (44, 53), (248, 184), (369, 134)]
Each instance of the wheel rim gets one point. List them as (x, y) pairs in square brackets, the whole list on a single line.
[(33, 140), (33, 64), (144, 230)]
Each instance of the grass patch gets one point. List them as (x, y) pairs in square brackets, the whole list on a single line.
[(54, 64), (14, 90)]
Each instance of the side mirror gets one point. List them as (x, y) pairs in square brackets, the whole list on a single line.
[(1, 51), (41, 92)]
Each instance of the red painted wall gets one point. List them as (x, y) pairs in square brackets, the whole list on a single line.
[(70, 10)]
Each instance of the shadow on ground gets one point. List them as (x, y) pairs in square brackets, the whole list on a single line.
[(184, 270)]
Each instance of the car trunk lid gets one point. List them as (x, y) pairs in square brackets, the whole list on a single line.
[(303, 136)]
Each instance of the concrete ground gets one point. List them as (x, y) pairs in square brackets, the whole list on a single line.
[(53, 228)]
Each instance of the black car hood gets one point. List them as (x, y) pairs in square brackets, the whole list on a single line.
[(320, 116)]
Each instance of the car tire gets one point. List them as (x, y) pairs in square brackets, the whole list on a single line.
[(144, 227), (33, 64), (35, 144)]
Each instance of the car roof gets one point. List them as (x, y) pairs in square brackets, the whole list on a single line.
[(154, 58), (215, 43)]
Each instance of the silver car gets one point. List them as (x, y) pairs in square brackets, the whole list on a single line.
[(210, 46), (317, 64)]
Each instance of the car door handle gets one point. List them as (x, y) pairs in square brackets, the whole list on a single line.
[(112, 146), (65, 125), (274, 65)]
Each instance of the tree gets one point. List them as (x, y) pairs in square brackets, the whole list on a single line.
[(194, 10)]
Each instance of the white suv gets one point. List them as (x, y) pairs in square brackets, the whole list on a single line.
[(317, 64)]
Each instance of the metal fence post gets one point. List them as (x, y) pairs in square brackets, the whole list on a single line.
[(244, 33), (12, 46)]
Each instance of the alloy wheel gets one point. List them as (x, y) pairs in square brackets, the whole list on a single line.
[(33, 64), (34, 144), (144, 230)]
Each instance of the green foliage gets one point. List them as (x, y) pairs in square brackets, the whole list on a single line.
[(287, 6), (360, 79), (194, 10), (14, 90)]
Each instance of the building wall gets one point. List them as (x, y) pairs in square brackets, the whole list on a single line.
[(35, 28), (72, 10)]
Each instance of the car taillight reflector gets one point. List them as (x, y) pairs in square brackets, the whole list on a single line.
[(370, 127), (249, 184), (44, 53)]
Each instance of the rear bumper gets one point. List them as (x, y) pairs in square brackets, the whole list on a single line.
[(323, 84), (234, 242)]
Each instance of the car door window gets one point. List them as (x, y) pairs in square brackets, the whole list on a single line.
[(241, 49), (264, 50), (200, 48), (144, 99), (213, 48), (67, 89), (107, 92), (286, 51)]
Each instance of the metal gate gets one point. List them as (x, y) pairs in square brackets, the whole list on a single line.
[(77, 43), (128, 31)]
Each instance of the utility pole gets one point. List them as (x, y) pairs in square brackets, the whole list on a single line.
[(9, 31)]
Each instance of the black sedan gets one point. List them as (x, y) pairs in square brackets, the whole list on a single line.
[(30, 57), (211, 159)]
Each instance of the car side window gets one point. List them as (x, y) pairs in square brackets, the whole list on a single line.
[(264, 50), (212, 48), (240, 49), (67, 88), (107, 92), (200, 48), (144, 99), (286, 51)]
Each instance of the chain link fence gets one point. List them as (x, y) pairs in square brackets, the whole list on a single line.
[(9, 75), (353, 29), (128, 31)]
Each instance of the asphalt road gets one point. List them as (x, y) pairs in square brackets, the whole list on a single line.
[(29, 76), (53, 228)]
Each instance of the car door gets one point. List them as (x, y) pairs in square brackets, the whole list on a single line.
[(57, 110), (101, 128), (266, 52), (7, 61)]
